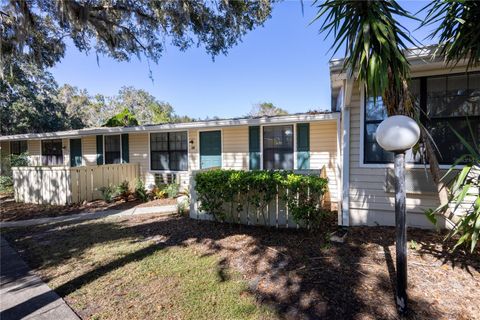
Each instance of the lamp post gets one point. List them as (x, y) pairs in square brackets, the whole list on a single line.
[(398, 134)]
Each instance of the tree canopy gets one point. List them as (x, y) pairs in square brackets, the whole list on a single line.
[(28, 102), (122, 29), (123, 119), (266, 109)]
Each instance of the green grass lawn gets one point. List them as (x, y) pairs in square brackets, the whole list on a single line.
[(106, 269)]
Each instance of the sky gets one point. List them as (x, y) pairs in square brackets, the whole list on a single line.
[(284, 62)]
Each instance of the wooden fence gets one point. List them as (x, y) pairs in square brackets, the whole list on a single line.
[(276, 213), (64, 185)]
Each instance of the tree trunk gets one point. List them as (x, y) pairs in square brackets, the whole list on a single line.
[(400, 103)]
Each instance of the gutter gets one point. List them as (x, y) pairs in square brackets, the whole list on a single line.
[(177, 126)]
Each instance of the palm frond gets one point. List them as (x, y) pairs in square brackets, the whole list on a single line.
[(373, 40), (458, 30)]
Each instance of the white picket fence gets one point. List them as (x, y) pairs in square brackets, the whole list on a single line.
[(275, 215), (61, 185)]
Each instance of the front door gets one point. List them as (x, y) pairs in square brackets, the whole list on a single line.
[(210, 149), (75, 152)]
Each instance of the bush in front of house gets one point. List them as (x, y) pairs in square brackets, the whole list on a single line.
[(6, 184), (217, 188), (123, 190), (172, 190), (108, 193), (140, 190)]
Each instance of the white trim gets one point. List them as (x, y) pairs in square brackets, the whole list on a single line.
[(217, 124), (338, 169), (345, 194), (200, 146), (150, 153)]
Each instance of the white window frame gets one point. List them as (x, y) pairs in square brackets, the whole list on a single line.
[(121, 150), (294, 125), (150, 154), (361, 159)]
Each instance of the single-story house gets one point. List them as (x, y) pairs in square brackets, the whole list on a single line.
[(342, 140), (170, 152)]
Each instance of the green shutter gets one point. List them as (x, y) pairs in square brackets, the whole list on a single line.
[(125, 158), (210, 149), (254, 147), (75, 152), (303, 146), (99, 150)]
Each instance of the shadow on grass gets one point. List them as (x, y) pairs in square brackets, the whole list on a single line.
[(296, 273)]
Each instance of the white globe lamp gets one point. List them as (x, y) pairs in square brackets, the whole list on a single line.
[(398, 134)]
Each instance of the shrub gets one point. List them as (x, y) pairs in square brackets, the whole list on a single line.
[(140, 191), (216, 188), (6, 184), (123, 190), (182, 206), (463, 192), (108, 193), (159, 193), (19, 160), (172, 190)]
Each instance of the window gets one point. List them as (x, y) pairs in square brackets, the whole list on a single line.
[(278, 147), (169, 151), (113, 152), (453, 101), (52, 153), (18, 147), (374, 114), (444, 101)]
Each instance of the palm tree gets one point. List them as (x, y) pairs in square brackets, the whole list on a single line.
[(375, 46)]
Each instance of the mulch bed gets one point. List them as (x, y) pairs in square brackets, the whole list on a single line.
[(14, 211)]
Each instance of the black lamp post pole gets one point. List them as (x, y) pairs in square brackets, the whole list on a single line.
[(401, 231)]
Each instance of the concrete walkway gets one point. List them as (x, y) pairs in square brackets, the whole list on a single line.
[(23, 295), (170, 209)]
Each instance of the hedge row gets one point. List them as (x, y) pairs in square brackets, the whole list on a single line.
[(216, 188)]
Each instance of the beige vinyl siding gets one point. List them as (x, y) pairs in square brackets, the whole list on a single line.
[(66, 151), (235, 148), (139, 149), (34, 149), (89, 150), (323, 152), (193, 150), (369, 202)]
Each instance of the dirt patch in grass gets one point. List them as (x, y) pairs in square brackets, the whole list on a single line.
[(159, 267), (14, 211)]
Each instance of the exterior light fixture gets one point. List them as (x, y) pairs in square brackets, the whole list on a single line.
[(398, 134)]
